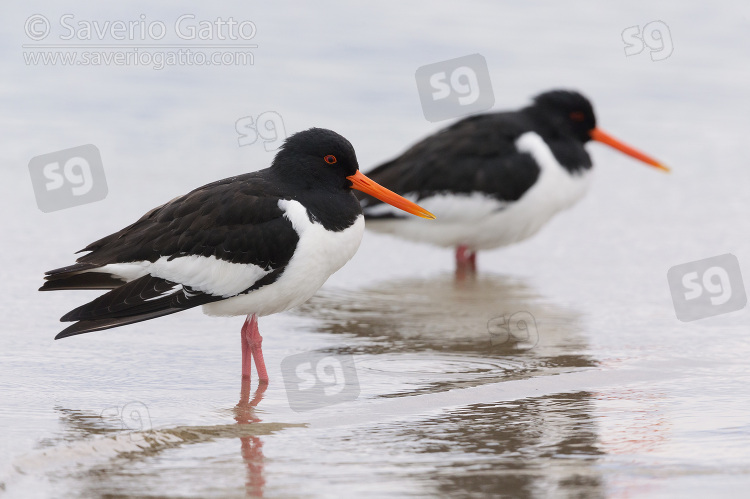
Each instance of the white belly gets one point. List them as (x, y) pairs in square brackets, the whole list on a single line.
[(318, 255), (482, 222)]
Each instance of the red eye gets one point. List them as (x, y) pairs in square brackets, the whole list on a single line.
[(330, 159), (577, 116)]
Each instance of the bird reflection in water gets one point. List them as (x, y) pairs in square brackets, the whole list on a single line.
[(442, 314), (251, 445), (91, 434), (426, 335)]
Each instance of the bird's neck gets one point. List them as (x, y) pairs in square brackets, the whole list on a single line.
[(568, 150)]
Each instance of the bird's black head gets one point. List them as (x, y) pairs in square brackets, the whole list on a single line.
[(317, 157), (566, 112)]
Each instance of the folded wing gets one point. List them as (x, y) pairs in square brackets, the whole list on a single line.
[(221, 240)]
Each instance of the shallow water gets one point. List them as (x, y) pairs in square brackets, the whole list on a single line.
[(601, 392)]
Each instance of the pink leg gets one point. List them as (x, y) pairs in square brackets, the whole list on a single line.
[(246, 355), (252, 350), (466, 261)]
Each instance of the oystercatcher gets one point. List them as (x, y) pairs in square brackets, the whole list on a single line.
[(494, 179), (255, 244)]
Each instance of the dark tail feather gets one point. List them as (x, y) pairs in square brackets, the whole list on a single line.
[(141, 296), (86, 280), (142, 299), (77, 276), (63, 272), (101, 324)]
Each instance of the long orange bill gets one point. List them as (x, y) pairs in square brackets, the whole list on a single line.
[(605, 138), (360, 182)]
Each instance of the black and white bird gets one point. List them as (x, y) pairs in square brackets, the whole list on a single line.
[(494, 179), (255, 244)]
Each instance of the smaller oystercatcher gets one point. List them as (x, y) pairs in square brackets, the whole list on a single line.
[(255, 244), (494, 179)]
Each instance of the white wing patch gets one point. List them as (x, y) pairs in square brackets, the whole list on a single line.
[(206, 274), (174, 289)]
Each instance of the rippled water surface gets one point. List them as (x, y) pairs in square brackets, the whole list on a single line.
[(599, 391)]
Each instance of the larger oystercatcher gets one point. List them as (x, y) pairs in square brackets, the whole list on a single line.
[(255, 244), (494, 179)]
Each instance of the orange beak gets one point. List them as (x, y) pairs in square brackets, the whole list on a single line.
[(360, 182), (605, 138)]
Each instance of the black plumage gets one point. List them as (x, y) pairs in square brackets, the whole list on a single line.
[(495, 179), (478, 154), (236, 220)]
